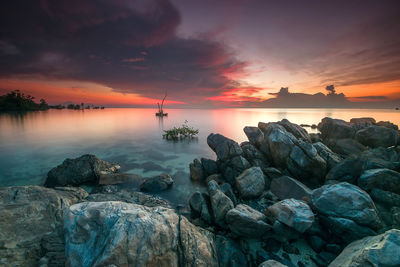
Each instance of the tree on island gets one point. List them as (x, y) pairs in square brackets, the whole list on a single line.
[(18, 101)]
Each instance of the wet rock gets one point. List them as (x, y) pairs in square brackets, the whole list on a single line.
[(316, 243), (383, 179), (229, 253), (233, 168), (331, 158), (120, 178), (254, 134), (118, 193), (348, 201), (388, 124), (220, 203), (228, 191), (199, 205), (216, 177), (280, 143), (122, 234), (272, 245), (272, 173), (377, 136), (298, 131), (157, 183), (333, 248), (247, 222), (254, 156), (293, 213), (315, 137), (210, 167), (387, 198), (335, 129), (30, 219), (85, 169), (225, 148), (380, 250), (250, 183), (196, 170), (286, 187)]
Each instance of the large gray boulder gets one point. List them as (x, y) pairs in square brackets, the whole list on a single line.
[(31, 224), (280, 143), (377, 136), (286, 187), (85, 169), (220, 203), (335, 129), (225, 148), (380, 250), (293, 213), (250, 183), (298, 131), (122, 234), (348, 201), (345, 147), (157, 183), (247, 222), (384, 179)]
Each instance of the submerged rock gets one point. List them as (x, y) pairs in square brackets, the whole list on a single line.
[(196, 170), (85, 169), (293, 213), (247, 222), (122, 234), (120, 178), (376, 136), (380, 250), (250, 183), (30, 215), (157, 183)]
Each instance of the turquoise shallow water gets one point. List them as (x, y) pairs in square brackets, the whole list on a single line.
[(33, 143)]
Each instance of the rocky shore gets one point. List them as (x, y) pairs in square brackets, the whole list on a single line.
[(284, 198)]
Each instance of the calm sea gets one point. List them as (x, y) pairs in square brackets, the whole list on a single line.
[(33, 143)]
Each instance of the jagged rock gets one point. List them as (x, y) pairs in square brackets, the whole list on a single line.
[(120, 193), (384, 179), (220, 203), (280, 143), (85, 169), (380, 250), (254, 134), (122, 234), (30, 216), (228, 191), (286, 187), (250, 183), (157, 183), (233, 168), (271, 263), (331, 158), (335, 129), (348, 201), (196, 170), (199, 205), (298, 131), (254, 156), (210, 167), (293, 213), (305, 164), (376, 136), (346, 146), (120, 178), (225, 148), (229, 253), (247, 222)]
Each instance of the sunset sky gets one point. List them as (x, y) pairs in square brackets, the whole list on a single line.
[(205, 53)]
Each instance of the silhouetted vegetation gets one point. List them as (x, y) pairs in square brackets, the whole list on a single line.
[(182, 132), (18, 101)]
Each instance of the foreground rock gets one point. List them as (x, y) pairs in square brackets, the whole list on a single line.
[(376, 136), (157, 183), (220, 203), (122, 234), (380, 250), (384, 179), (31, 224), (225, 148), (247, 222), (286, 187), (85, 169), (251, 183)]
